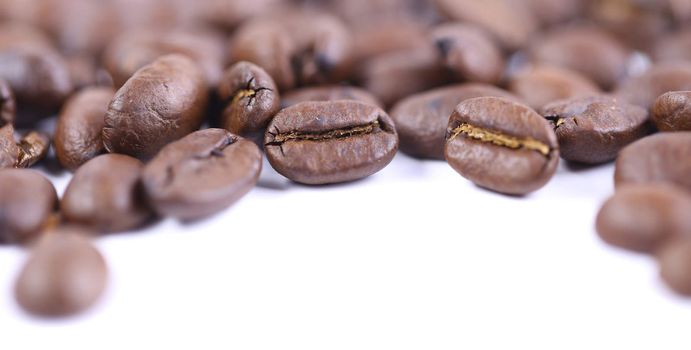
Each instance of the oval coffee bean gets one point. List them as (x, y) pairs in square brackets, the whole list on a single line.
[(9, 151), (660, 158), (642, 217), (64, 275), (501, 145), (80, 123), (328, 93), (672, 111), (593, 130), (27, 202), (105, 194), (421, 119), (8, 105), (541, 85), (330, 142), (32, 148), (202, 174), (643, 90), (675, 265), (161, 103)]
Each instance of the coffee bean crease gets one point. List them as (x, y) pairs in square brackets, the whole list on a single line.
[(500, 139)]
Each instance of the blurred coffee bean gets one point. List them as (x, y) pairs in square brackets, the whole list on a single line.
[(673, 47), (637, 23), (366, 12), (85, 72), (328, 93), (9, 151), (229, 14), (643, 90), (675, 265), (373, 39), (672, 111), (28, 200), (540, 85), (8, 105), (33, 147), (553, 12)]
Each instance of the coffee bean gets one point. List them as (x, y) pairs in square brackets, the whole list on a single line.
[(594, 129), (253, 100), (202, 174), (8, 106), (639, 24), (673, 47), (675, 265), (328, 93), (501, 145), (64, 275), (659, 79), (78, 132), (106, 194), (85, 72), (386, 36), (9, 151), (552, 12), (32, 148), (659, 158), (421, 119), (161, 103), (541, 85), (330, 142), (28, 200), (672, 111), (642, 217)]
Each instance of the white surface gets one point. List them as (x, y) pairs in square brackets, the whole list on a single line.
[(414, 257)]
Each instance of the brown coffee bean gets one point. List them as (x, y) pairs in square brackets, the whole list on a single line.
[(672, 111), (162, 102), (106, 194), (469, 52), (642, 217), (594, 129), (639, 24), (556, 11), (673, 47), (330, 142), (501, 145), (202, 174), (9, 151), (540, 85), (8, 106), (32, 148), (646, 88), (28, 200), (659, 158), (78, 132), (85, 72), (328, 93), (64, 275), (421, 119), (382, 37), (675, 265)]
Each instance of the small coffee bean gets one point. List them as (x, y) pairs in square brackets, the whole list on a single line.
[(540, 85), (328, 93), (201, 174), (675, 265), (28, 200), (162, 102), (643, 90), (642, 217), (106, 195), (421, 119), (64, 274), (672, 111), (330, 142), (386, 36), (592, 130), (9, 151), (80, 123), (8, 106), (501, 145), (32, 148)]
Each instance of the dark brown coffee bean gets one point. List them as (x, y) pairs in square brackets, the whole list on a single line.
[(253, 100), (64, 275), (501, 145), (646, 88), (672, 111), (330, 142), (106, 194), (9, 151), (540, 85), (642, 217), (162, 102), (28, 200), (78, 132), (593, 130), (328, 93), (202, 174), (660, 158), (675, 265), (421, 119), (469, 52), (8, 106), (32, 148)]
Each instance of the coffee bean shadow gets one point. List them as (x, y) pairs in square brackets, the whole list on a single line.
[(576, 167)]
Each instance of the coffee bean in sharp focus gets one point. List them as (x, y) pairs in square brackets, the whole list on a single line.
[(330, 142), (8, 105), (9, 151), (540, 85), (33, 147), (501, 145), (201, 174), (421, 119), (328, 93), (162, 102), (592, 130), (64, 274), (106, 195), (27, 201), (675, 265), (672, 111)]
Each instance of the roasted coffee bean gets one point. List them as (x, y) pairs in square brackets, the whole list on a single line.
[(78, 132), (27, 201), (675, 265), (106, 194), (9, 151), (382, 37), (64, 274), (8, 106), (642, 217), (421, 119), (556, 11), (660, 158), (637, 23), (501, 145), (85, 72), (328, 93), (201, 174), (672, 111), (32, 148), (253, 100), (646, 88), (162, 102), (593, 130), (469, 52), (540, 85), (366, 12), (673, 47), (330, 142)]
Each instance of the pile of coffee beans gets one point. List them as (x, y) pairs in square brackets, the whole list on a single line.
[(168, 108)]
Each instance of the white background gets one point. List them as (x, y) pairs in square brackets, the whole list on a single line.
[(414, 257)]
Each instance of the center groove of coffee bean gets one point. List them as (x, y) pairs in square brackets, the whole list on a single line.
[(556, 121), (499, 139), (281, 138), (244, 93)]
